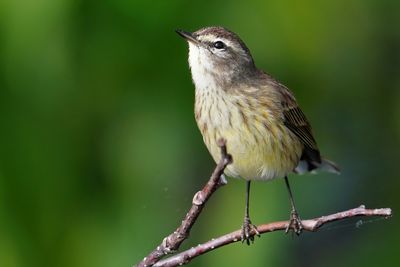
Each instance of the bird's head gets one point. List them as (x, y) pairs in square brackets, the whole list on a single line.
[(219, 54)]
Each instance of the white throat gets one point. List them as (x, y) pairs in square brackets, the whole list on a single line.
[(202, 68)]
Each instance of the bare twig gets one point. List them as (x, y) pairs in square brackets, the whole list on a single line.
[(172, 242), (311, 225)]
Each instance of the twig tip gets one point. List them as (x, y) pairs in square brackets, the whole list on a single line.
[(388, 212), (221, 142)]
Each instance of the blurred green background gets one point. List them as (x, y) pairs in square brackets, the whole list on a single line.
[(100, 154)]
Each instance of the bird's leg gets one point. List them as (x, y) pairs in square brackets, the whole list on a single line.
[(294, 222), (248, 229)]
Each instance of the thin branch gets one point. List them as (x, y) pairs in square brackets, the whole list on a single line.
[(311, 225), (171, 243)]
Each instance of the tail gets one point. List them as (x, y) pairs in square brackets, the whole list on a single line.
[(313, 167)]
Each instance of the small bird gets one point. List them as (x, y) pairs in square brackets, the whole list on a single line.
[(266, 132)]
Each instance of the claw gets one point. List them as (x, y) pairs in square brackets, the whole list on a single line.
[(294, 223), (249, 230)]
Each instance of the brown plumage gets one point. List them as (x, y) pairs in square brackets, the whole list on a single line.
[(266, 132), (296, 121)]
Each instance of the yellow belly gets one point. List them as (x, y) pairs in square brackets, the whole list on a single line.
[(261, 146), (255, 157)]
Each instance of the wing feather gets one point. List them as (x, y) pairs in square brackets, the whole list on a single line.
[(296, 121)]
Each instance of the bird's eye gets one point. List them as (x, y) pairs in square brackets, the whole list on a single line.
[(219, 45)]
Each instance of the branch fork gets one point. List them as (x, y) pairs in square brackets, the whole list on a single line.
[(172, 242)]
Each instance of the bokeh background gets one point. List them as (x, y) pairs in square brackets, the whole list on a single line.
[(100, 154)]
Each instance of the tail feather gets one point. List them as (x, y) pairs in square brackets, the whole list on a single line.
[(326, 165), (329, 166)]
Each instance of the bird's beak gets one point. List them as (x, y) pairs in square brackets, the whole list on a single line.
[(188, 36)]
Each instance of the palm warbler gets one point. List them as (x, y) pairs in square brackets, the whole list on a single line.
[(266, 132)]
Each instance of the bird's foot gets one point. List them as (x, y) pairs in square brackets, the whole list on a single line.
[(249, 230), (294, 223)]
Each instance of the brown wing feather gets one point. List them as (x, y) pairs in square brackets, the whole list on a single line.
[(296, 121)]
